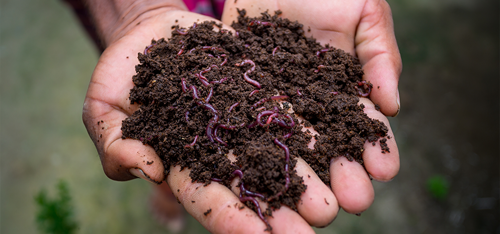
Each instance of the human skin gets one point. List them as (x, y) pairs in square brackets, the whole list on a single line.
[(127, 27)]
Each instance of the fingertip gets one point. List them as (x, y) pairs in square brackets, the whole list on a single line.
[(383, 165), (126, 159), (318, 205), (351, 185)]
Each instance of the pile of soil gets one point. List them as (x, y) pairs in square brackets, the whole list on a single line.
[(204, 92)]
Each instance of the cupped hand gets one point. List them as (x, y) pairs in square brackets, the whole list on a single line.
[(107, 104), (363, 28)]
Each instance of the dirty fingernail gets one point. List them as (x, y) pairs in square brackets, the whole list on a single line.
[(140, 174)]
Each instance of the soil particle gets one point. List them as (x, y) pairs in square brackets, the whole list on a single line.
[(207, 212), (197, 100)]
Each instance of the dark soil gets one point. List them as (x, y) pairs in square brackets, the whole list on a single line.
[(323, 84)]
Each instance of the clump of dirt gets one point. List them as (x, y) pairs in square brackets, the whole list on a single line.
[(204, 93)]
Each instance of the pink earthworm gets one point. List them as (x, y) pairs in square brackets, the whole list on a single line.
[(181, 51), (287, 174), (262, 114), (318, 53), (232, 107), (275, 49), (245, 75), (299, 93), (253, 92), (217, 138), (147, 48), (202, 79), (251, 197), (183, 83), (196, 95), (192, 144), (258, 22), (209, 96), (366, 86), (223, 63), (319, 67), (181, 31)]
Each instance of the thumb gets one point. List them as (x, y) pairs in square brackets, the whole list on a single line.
[(127, 158)]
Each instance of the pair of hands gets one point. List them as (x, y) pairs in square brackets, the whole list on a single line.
[(362, 28)]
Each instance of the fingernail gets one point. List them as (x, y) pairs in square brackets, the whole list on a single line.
[(137, 172), (397, 102)]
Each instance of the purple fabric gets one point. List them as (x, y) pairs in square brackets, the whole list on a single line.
[(212, 8)]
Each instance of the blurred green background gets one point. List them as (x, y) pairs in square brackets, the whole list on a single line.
[(447, 131)]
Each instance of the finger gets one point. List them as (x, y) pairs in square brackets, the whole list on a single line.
[(283, 220), (318, 205), (351, 185), (381, 166), (378, 52), (216, 207)]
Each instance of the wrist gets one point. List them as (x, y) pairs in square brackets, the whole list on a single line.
[(115, 18)]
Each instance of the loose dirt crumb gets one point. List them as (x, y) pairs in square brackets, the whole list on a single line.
[(207, 212)]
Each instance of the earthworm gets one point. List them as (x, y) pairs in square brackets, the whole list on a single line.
[(183, 83), (203, 80), (270, 118), (195, 92), (216, 179), (212, 48), (253, 124), (279, 97), (147, 48), (182, 32), (245, 75), (209, 107), (192, 50), (223, 63), (233, 106), (217, 138), (243, 190), (259, 211), (194, 25), (181, 51), (299, 93), (288, 135), (227, 127), (253, 92), (287, 174), (258, 22), (218, 81), (275, 49), (186, 115), (209, 96), (365, 86), (334, 93), (322, 51), (261, 108), (192, 144), (237, 34), (283, 124), (262, 114), (319, 67)]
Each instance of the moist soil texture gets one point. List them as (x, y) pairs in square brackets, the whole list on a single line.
[(207, 92)]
